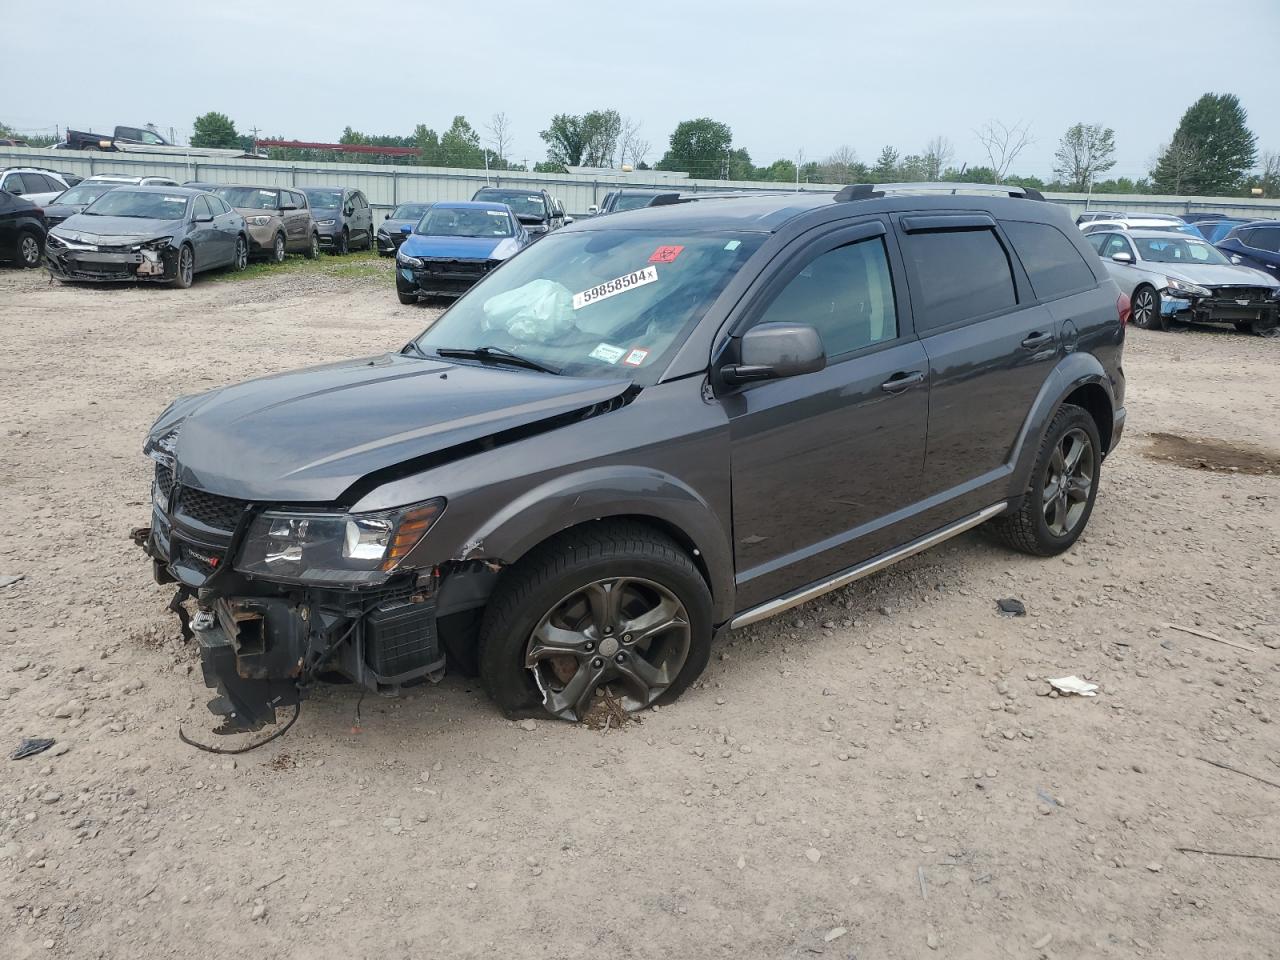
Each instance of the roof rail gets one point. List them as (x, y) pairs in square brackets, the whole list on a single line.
[(664, 199), (867, 191)]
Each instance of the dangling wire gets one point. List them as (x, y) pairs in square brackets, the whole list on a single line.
[(297, 709)]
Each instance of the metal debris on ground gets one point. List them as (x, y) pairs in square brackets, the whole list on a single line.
[(30, 746), (1012, 607), (1206, 635), (1074, 684)]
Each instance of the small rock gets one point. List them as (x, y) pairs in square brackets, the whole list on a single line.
[(742, 862), (259, 911), (472, 885), (931, 938), (424, 776), (51, 797), (827, 725), (813, 855), (835, 933), (1042, 942), (8, 580), (1044, 809), (529, 725), (1155, 867)]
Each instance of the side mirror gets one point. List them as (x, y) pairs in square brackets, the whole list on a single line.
[(387, 217), (568, 220), (204, 220), (348, 211), (1236, 260), (1122, 257), (771, 351), (407, 228), (592, 210)]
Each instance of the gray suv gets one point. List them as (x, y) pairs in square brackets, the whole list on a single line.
[(642, 431), (343, 218)]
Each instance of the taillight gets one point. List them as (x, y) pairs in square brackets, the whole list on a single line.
[(1123, 308)]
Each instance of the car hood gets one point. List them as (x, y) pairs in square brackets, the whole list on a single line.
[(308, 435), (114, 230), (392, 227), (61, 211), (1215, 274), (457, 248), (324, 213)]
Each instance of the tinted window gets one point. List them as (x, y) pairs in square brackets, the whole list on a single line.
[(13, 184), (1265, 238), (219, 206), (361, 202), (202, 207), (1115, 244), (1053, 264), (300, 199), (962, 274), (1096, 240), (846, 294)]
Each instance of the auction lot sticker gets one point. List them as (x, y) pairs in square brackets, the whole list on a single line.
[(611, 288)]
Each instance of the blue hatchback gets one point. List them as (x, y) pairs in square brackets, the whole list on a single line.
[(1255, 244), (454, 245)]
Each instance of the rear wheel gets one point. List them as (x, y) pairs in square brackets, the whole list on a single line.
[(278, 249), (373, 240), (185, 273), (29, 249), (618, 606), (1064, 484), (1146, 308)]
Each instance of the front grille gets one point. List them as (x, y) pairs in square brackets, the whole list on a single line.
[(164, 480), (1242, 293), (219, 513), (455, 268)]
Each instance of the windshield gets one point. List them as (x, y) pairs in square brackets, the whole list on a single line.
[(1177, 250), (325, 199), (85, 193), (606, 303), (464, 222), (122, 202), (632, 202), (250, 198), (524, 203), (410, 211)]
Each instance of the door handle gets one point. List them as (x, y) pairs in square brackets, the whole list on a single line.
[(1037, 340), (902, 380)]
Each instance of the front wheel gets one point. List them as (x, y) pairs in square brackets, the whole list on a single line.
[(1064, 484), (313, 248), (618, 607), (241, 259), (373, 239), (1146, 308), (29, 249), (343, 243), (278, 249), (406, 298), (1265, 328), (185, 274)]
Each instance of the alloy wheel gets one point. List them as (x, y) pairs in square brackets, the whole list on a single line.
[(186, 266), (278, 250), (627, 632), (242, 254), (1144, 309), (29, 250), (1068, 482)]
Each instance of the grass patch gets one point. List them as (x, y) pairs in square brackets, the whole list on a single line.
[(359, 265)]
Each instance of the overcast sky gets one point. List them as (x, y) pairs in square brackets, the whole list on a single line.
[(805, 75)]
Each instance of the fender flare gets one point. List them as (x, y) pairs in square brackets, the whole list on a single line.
[(1073, 371), (611, 491)]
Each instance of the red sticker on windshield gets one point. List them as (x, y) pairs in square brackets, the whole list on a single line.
[(665, 255), (635, 357)]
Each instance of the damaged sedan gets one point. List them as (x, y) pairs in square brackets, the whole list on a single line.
[(158, 234), (644, 430)]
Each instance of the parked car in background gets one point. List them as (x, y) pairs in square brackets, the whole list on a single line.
[(1090, 215), (454, 245), (73, 201), (610, 451), (202, 185), (1170, 224), (156, 234), (37, 184), (616, 201), (1255, 244), (22, 231), (277, 219), (124, 180), (11, 142), (343, 218), (1217, 230), (1173, 277), (392, 233), (535, 208), (71, 179)]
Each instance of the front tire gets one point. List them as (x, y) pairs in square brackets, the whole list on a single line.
[(241, 256), (278, 249), (616, 605), (1146, 308), (29, 249), (373, 239), (313, 248), (406, 298), (1264, 328), (343, 244), (185, 271), (1064, 484)]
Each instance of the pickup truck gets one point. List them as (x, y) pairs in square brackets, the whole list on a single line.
[(139, 140)]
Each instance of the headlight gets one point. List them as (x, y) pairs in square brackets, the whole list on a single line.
[(384, 234), (325, 223), (1190, 289), (334, 548), (407, 261), (159, 243), (257, 221)]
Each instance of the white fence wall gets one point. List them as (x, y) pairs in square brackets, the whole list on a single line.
[(386, 185)]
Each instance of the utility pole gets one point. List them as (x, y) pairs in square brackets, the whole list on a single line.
[(799, 161)]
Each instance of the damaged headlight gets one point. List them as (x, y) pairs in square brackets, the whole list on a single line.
[(334, 548), (1187, 289), (159, 243), (407, 261)]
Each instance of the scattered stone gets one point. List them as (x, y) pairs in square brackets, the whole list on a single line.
[(50, 797), (529, 725), (742, 862), (827, 725), (835, 933), (472, 885), (1044, 809), (1011, 607), (1155, 867), (259, 911), (813, 855), (1042, 942), (8, 580)]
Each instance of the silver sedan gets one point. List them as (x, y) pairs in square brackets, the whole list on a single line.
[(1168, 276)]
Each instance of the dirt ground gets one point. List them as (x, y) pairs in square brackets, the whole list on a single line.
[(878, 774)]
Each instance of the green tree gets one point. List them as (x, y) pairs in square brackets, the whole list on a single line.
[(214, 130), (588, 140), (699, 147), (886, 166), (1210, 152), (1085, 150), (780, 171), (460, 145)]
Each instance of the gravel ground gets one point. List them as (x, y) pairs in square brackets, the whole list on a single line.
[(877, 774)]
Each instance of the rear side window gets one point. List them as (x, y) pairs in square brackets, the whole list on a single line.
[(1096, 240), (846, 294), (962, 275), (1053, 264), (13, 184), (1264, 238), (202, 208)]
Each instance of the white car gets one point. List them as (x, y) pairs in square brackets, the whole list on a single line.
[(36, 184), (1168, 276), (131, 181), (1141, 221)]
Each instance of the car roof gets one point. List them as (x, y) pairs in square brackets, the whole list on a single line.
[(161, 188), (1156, 234), (471, 205), (1249, 224), (246, 186), (511, 190)]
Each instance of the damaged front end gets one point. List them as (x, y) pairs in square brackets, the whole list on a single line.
[(284, 595), (80, 259)]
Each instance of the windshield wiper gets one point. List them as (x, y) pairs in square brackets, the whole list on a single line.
[(497, 355)]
